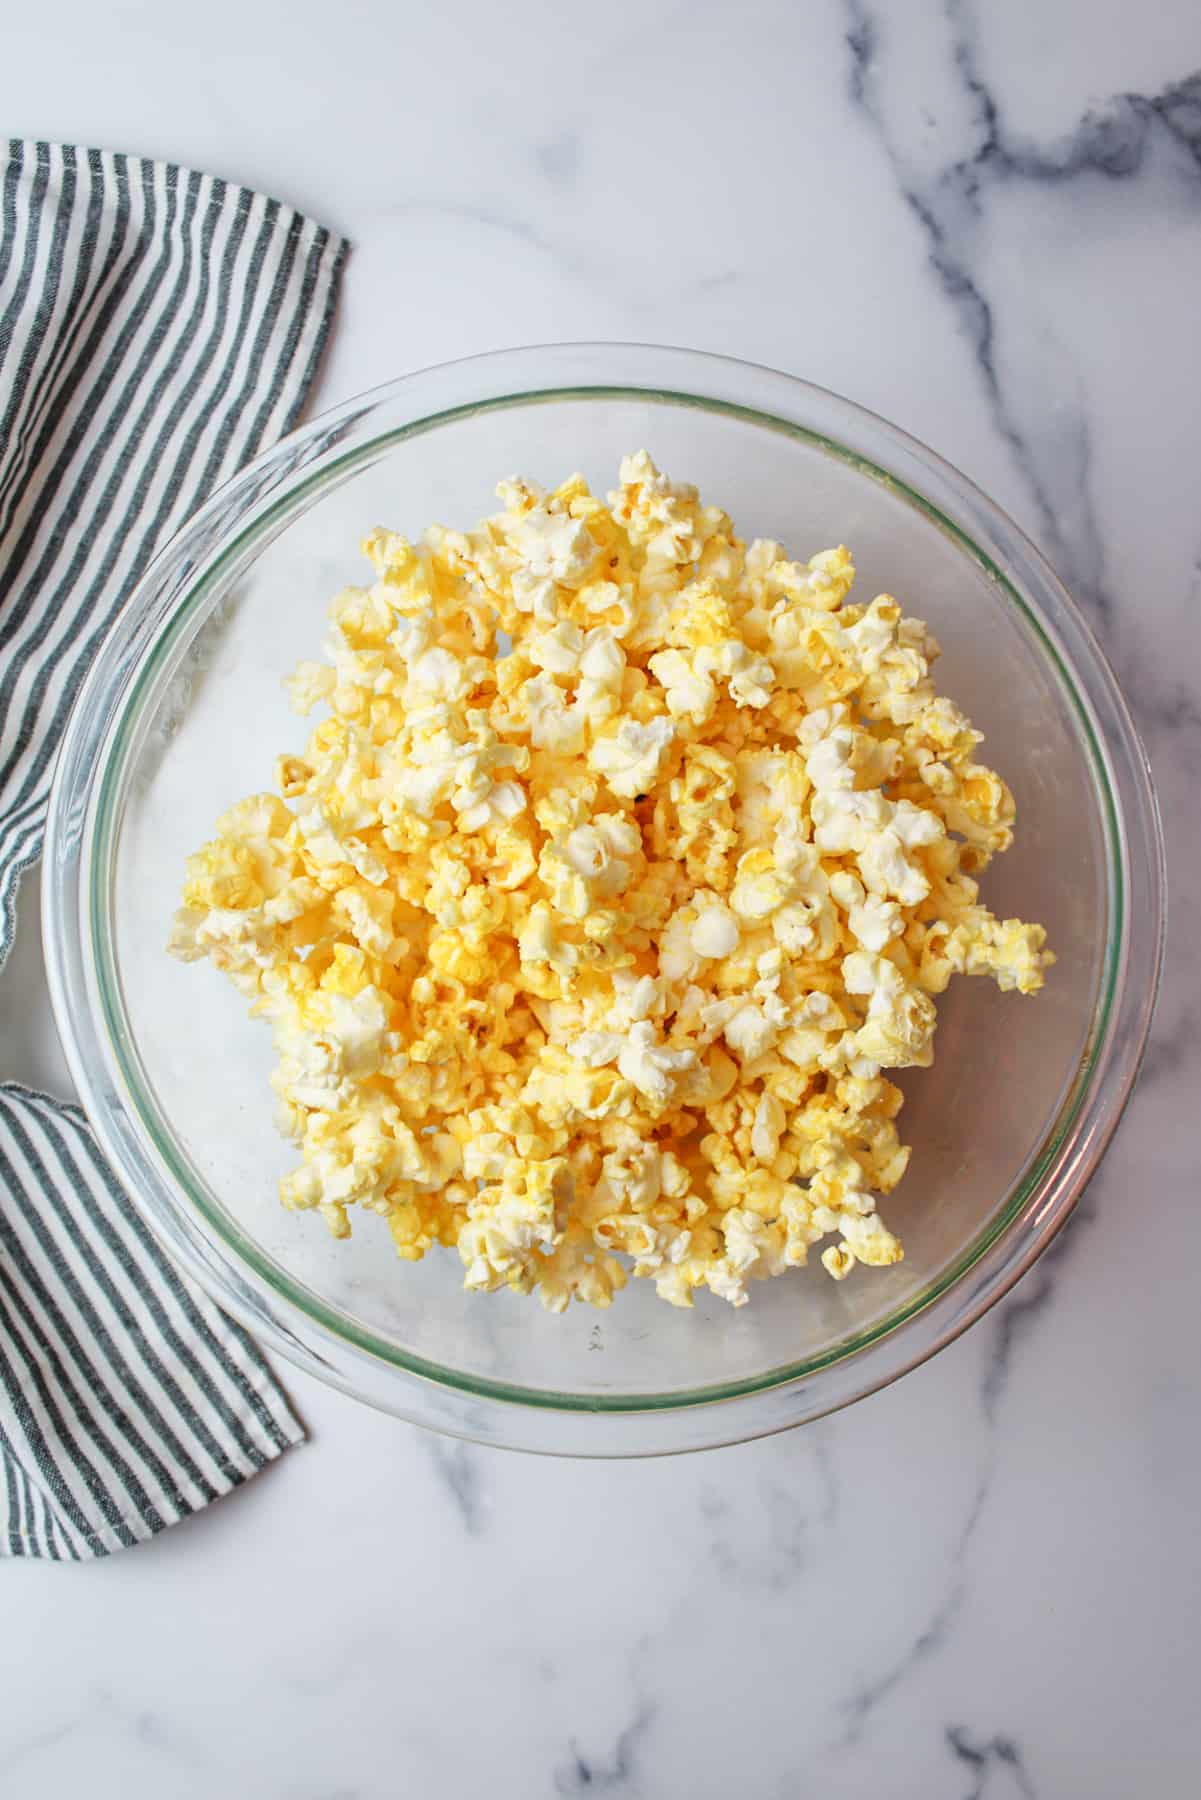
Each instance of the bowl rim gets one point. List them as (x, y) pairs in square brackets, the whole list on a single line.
[(242, 517)]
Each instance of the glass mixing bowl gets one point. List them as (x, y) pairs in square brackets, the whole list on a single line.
[(183, 712)]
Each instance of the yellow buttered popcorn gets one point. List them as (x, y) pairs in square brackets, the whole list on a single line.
[(626, 860)]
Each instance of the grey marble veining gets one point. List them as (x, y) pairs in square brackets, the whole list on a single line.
[(981, 1584)]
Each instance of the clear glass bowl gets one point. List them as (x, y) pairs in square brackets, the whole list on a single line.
[(183, 712)]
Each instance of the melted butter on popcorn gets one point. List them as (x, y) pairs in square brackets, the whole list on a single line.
[(585, 948)]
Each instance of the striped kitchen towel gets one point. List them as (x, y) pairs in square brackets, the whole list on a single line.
[(157, 327)]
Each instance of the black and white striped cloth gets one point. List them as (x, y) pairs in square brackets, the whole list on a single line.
[(157, 327)]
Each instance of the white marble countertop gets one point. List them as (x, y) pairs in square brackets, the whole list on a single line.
[(984, 222)]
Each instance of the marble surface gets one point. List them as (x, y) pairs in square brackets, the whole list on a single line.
[(984, 222)]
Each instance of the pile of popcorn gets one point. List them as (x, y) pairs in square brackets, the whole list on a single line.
[(625, 861)]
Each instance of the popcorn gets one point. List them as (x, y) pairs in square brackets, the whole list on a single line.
[(586, 947), (630, 759), (651, 1066), (716, 931)]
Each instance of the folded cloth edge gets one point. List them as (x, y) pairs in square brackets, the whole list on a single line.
[(226, 1394)]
